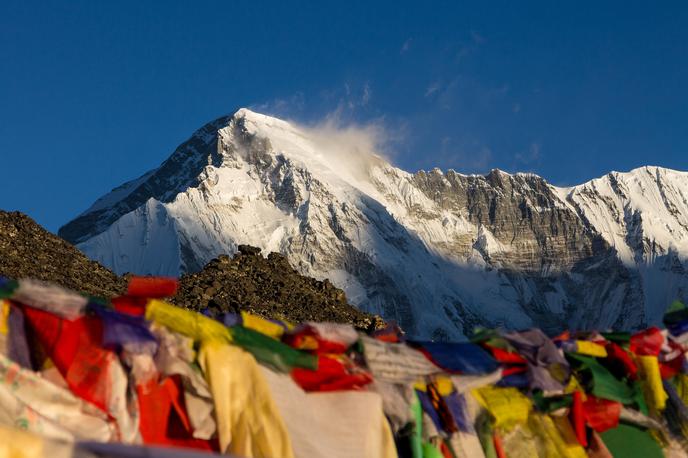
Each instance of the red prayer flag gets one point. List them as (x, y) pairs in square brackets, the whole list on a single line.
[(620, 356), (331, 375), (130, 305), (499, 448), (163, 417), (155, 287), (648, 342), (577, 417), (601, 414), (513, 369), (506, 357)]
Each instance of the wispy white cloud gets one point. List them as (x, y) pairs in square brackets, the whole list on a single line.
[(348, 98), (529, 158), (432, 88), (477, 38), (464, 91), (406, 46), (469, 47), (472, 158), (282, 106), (447, 95), (367, 94)]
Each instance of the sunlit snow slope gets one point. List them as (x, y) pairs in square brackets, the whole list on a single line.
[(440, 253)]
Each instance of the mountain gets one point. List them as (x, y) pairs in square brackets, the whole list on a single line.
[(439, 252)]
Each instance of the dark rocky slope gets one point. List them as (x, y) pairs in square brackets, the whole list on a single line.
[(28, 250), (269, 287)]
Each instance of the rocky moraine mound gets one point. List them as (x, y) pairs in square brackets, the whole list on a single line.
[(269, 287), (29, 251)]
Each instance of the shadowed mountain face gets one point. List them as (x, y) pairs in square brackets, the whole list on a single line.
[(440, 253)]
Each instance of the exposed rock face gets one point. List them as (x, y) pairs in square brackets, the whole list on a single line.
[(437, 252), (525, 226), (269, 287)]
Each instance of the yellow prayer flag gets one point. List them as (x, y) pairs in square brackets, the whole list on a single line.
[(574, 385), (507, 406), (648, 369), (308, 343), (15, 443), (681, 383), (185, 322), (262, 325), (249, 423), (4, 315), (585, 347), (569, 446), (444, 385)]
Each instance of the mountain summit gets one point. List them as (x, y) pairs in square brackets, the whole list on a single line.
[(438, 252)]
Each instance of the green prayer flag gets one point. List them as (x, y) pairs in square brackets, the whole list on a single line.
[(271, 352), (605, 385), (640, 399), (550, 404), (618, 337), (484, 430), (417, 437), (430, 451), (630, 442), (7, 287), (676, 313), (676, 306)]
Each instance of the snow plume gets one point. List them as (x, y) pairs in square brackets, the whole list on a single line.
[(353, 147)]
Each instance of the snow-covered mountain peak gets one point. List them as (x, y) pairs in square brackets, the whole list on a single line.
[(341, 157), (256, 121), (439, 252), (643, 213), (499, 172)]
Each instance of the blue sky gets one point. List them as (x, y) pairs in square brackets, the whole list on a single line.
[(95, 93)]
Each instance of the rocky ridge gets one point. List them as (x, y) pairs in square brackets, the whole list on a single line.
[(263, 285), (268, 287), (29, 251)]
